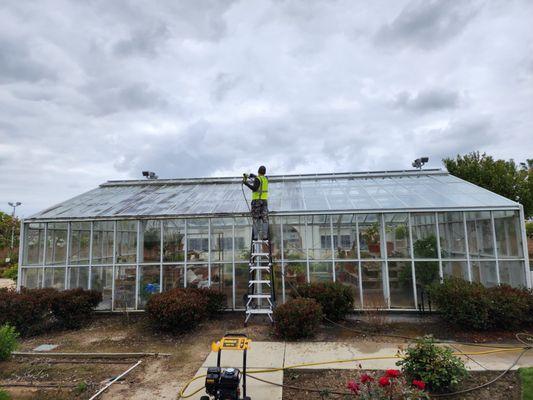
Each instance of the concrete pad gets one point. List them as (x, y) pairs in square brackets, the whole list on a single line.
[(260, 355), (46, 347), (313, 352), (495, 360)]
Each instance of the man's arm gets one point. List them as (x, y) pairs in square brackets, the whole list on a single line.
[(255, 182)]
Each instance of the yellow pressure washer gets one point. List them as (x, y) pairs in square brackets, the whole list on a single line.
[(223, 383)]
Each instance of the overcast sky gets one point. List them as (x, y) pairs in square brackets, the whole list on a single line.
[(98, 90)]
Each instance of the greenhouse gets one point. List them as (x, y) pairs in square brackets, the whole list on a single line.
[(388, 235)]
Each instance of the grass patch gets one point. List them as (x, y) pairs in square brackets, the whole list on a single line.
[(526, 376)]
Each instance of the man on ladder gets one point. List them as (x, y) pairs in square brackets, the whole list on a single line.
[(259, 187), (261, 295)]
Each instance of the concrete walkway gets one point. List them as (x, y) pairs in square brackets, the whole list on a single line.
[(264, 355)]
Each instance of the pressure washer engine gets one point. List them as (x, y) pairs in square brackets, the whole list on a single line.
[(224, 383)]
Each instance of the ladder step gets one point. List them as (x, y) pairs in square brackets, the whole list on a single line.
[(261, 281), (260, 241), (259, 311), (258, 296), (259, 268), (260, 255)]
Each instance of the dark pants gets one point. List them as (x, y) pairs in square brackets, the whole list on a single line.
[(260, 219)]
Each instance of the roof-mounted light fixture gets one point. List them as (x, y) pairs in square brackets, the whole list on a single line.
[(419, 162), (150, 175)]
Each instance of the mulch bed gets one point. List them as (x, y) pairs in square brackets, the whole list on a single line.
[(507, 388)]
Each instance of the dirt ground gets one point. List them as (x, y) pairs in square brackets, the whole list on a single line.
[(161, 377), (507, 388)]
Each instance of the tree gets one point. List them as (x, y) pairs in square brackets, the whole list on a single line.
[(500, 176), (9, 226)]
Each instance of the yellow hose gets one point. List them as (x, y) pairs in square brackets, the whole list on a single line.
[(182, 395)]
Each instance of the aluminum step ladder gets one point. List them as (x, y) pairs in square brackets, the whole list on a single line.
[(261, 298)]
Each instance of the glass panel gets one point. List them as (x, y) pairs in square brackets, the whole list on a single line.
[(151, 241), (513, 273), (32, 278), (401, 284), (197, 239), (456, 269), (173, 240), (197, 275), (397, 233), (54, 278), (345, 236), (318, 237), (294, 238), (80, 237), (321, 271), (148, 283), (103, 242), (372, 276), (347, 273), (452, 235), (56, 252), (126, 246), (370, 235), (275, 237), (172, 277), (241, 285), (508, 234), (295, 274), (78, 277), (243, 237), (424, 235), (222, 280), (484, 272), (427, 273), (222, 239), (125, 287), (102, 281), (34, 244), (479, 231)]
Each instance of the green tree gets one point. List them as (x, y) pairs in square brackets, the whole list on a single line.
[(8, 225), (507, 178)]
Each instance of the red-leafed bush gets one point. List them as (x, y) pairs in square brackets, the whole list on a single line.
[(26, 313), (389, 386), (510, 307), (177, 310), (74, 308), (335, 298), (216, 300), (297, 318)]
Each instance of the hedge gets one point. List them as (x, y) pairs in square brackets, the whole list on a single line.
[(297, 318), (336, 299)]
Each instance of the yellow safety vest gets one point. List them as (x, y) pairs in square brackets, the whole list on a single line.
[(262, 192)]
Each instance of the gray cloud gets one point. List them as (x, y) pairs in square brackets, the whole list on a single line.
[(427, 23), (427, 100), (91, 91)]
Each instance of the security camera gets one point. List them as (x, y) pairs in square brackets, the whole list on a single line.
[(419, 162)]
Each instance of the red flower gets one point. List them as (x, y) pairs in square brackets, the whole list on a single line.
[(419, 384), (353, 386), (366, 378), (384, 381), (392, 373)]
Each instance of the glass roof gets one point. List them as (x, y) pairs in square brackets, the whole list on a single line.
[(371, 191)]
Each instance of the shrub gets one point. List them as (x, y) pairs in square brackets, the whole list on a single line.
[(335, 298), (75, 307), (11, 273), (510, 307), (25, 312), (177, 310), (297, 318), (463, 303), (4, 395), (529, 229), (436, 366), (391, 385), (8, 341), (216, 300)]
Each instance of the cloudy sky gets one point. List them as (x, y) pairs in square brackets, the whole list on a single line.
[(97, 90)]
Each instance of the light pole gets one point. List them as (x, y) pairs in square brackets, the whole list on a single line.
[(13, 204)]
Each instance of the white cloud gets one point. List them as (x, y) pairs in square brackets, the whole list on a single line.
[(99, 90)]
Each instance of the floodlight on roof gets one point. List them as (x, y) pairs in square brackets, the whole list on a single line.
[(419, 162), (150, 175)]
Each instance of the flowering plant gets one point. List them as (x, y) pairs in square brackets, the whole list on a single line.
[(391, 385)]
